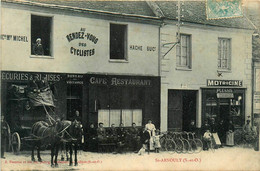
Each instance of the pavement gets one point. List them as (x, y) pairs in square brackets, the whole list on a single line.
[(227, 158)]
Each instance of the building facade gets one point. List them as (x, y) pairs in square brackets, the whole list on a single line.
[(209, 73), (119, 62), (103, 64)]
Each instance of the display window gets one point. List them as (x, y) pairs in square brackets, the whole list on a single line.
[(224, 104)]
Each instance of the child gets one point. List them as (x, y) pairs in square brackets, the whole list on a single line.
[(156, 139), (206, 137)]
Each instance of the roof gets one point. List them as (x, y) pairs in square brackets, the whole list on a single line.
[(140, 8), (194, 11)]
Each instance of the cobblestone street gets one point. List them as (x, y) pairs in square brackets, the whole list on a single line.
[(228, 158)]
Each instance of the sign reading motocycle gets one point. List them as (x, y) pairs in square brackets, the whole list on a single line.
[(233, 83), (85, 41)]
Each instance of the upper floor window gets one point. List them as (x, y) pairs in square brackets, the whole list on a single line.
[(183, 52), (118, 38), (41, 35), (224, 53)]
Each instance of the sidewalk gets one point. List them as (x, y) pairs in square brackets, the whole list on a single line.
[(228, 158)]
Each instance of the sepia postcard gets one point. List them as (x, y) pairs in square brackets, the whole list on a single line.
[(130, 85)]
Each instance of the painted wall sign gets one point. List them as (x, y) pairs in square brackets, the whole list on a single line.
[(140, 48), (82, 48), (14, 38), (75, 79), (233, 83), (120, 81), (20, 76)]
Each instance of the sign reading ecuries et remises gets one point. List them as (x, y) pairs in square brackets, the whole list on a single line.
[(230, 83)]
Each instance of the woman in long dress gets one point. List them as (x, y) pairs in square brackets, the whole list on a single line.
[(151, 129), (230, 134)]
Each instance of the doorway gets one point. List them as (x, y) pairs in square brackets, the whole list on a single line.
[(181, 109)]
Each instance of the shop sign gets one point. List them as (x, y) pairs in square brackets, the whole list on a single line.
[(16, 38), (75, 79), (21, 76), (84, 39), (114, 81), (225, 95), (233, 83)]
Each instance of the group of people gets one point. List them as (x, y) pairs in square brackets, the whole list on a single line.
[(223, 133), (132, 138)]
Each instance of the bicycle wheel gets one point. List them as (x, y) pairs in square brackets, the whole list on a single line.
[(179, 146), (199, 145), (186, 146), (193, 146), (163, 143), (170, 145)]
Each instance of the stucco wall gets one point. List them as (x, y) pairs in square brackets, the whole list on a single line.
[(205, 63), (16, 55)]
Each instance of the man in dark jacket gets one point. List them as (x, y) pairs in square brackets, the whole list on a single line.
[(135, 138), (221, 129), (192, 127), (145, 137)]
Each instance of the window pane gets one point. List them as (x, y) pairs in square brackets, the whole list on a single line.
[(115, 117), (224, 53), (40, 35), (183, 54), (103, 116), (137, 117), (127, 117), (117, 41)]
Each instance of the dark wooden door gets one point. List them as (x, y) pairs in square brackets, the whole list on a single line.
[(175, 110)]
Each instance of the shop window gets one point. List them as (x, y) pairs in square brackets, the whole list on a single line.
[(224, 53), (118, 40), (117, 116), (183, 52), (41, 35), (224, 105)]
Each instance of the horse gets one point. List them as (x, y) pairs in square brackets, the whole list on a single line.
[(72, 137), (45, 135)]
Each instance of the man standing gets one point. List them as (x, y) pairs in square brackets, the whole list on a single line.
[(77, 116), (3, 136), (145, 138), (134, 137), (192, 126), (221, 129)]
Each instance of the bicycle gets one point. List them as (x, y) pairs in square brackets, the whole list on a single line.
[(196, 144), (186, 147), (179, 143)]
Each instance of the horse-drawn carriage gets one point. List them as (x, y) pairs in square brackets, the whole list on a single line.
[(24, 108), (33, 122)]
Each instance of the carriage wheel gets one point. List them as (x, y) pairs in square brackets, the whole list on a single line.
[(9, 136), (16, 142)]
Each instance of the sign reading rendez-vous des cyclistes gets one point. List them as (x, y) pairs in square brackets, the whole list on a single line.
[(230, 83)]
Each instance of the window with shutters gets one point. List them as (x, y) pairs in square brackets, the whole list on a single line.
[(183, 52), (224, 54)]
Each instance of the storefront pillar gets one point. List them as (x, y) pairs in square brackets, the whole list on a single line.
[(164, 107), (198, 109)]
